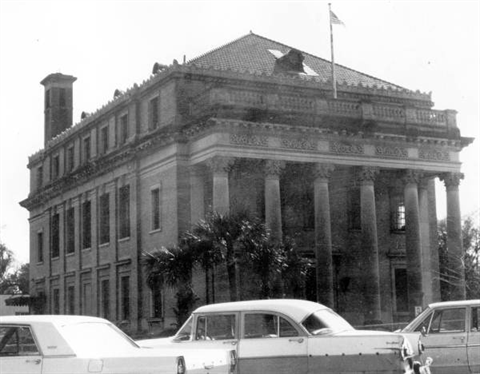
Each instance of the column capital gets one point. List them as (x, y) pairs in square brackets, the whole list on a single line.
[(451, 179), (411, 176), (220, 165), (367, 174), (273, 168), (323, 171)]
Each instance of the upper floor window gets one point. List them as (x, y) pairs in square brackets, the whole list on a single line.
[(123, 128), (55, 167), (62, 97), (40, 246), (104, 140), (55, 235), (86, 224), (124, 211), (47, 99), (104, 212), (70, 160), (156, 209), (153, 113), (398, 217), (70, 231), (86, 149)]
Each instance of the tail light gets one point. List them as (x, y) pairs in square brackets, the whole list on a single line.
[(233, 361), (181, 368)]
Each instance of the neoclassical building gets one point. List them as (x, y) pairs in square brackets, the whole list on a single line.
[(250, 125)]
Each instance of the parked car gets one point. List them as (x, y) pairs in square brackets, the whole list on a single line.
[(80, 345), (290, 336), (451, 336)]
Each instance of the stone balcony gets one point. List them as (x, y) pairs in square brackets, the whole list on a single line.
[(437, 121)]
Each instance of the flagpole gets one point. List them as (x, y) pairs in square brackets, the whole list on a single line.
[(334, 80)]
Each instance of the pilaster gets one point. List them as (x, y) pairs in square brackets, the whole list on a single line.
[(273, 211)]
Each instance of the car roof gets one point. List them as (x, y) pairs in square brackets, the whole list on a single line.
[(298, 310), (441, 304), (44, 318)]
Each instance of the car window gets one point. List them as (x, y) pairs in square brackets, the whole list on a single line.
[(216, 327), (448, 321), (266, 325), (185, 332), (325, 322), (475, 327), (423, 326), (17, 341)]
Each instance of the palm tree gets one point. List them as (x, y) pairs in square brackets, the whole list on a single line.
[(173, 268)]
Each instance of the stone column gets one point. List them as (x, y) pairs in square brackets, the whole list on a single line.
[(434, 257), (220, 167), (413, 241), (454, 235), (323, 235), (366, 178), (426, 254), (273, 212)]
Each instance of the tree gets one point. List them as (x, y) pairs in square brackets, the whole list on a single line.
[(173, 267), (6, 261), (470, 260)]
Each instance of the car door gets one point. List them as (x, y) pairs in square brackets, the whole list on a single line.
[(446, 340), (271, 344), (473, 342), (19, 353)]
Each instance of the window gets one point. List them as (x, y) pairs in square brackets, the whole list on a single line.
[(104, 218), (448, 321), (70, 161), (86, 149), (56, 301), (124, 212), (70, 232), (47, 99), (62, 98), (153, 113), (398, 217), (40, 246), (71, 300), (105, 298), (156, 209), (55, 235), (401, 290), (125, 298), (86, 224), (123, 129), (475, 326), (157, 304), (55, 167), (87, 299), (354, 209), (17, 341), (39, 177), (104, 140), (216, 327), (263, 325)]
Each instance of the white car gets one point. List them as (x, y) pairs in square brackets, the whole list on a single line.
[(290, 336), (79, 345), (451, 336)]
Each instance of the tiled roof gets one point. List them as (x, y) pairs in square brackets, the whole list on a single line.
[(255, 54)]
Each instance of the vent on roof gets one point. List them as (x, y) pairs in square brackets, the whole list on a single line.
[(291, 63)]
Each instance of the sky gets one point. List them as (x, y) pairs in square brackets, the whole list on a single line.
[(430, 46)]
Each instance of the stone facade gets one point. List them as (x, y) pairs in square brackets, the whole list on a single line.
[(351, 179)]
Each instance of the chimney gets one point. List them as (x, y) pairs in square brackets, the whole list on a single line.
[(58, 107)]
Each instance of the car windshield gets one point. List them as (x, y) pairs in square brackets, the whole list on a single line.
[(95, 339), (325, 322), (185, 332)]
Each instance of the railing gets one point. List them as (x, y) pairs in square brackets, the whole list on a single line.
[(315, 106)]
